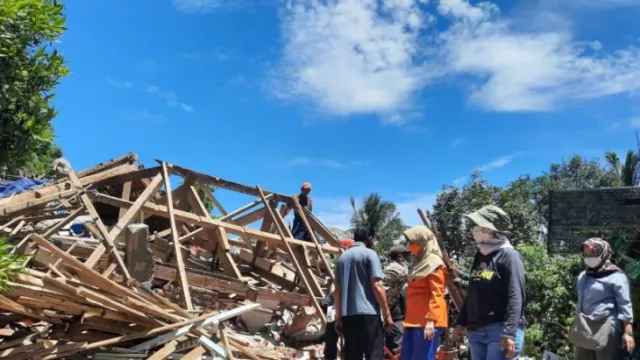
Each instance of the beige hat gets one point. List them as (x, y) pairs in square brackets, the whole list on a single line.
[(306, 185)]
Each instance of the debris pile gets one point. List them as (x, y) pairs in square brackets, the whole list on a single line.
[(118, 263)]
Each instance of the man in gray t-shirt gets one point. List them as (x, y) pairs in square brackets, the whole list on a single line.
[(359, 298)]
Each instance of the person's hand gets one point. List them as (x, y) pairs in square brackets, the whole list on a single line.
[(429, 330), (508, 346), (628, 343), (388, 323), (339, 325), (458, 333)]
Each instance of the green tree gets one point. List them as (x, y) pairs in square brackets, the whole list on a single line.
[(453, 202), (625, 170), (551, 299), (382, 216), (29, 71), (577, 173)]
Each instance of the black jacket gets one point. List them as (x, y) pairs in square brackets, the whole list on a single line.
[(496, 292)]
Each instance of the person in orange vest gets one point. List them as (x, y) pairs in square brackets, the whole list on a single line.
[(426, 309)]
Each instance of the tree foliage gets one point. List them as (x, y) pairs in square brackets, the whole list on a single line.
[(624, 171), (382, 216), (10, 264), (551, 280), (29, 70)]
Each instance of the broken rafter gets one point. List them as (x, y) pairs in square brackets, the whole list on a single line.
[(176, 239)]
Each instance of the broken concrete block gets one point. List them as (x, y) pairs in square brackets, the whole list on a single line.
[(138, 255)]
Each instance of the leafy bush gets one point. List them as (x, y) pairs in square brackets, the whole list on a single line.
[(10, 264), (551, 299)]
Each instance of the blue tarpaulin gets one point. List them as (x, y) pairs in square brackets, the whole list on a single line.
[(20, 185)]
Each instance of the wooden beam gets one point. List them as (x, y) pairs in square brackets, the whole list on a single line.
[(279, 226), (319, 227), (165, 352), (211, 197), (107, 239), (303, 217), (226, 285), (186, 217), (226, 184), (56, 227), (129, 158), (126, 195), (223, 249), (249, 218), (126, 219), (176, 237)]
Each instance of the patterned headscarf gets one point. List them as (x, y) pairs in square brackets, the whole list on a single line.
[(603, 251)]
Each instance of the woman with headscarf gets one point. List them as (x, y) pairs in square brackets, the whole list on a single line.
[(602, 328), (493, 310), (426, 308)]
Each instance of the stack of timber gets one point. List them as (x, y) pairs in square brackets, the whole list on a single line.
[(120, 264)]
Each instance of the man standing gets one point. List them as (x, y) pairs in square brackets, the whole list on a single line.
[(298, 229), (359, 298), (395, 279)]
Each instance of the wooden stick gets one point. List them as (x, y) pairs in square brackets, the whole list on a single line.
[(165, 352), (276, 219), (127, 217), (107, 240), (176, 237), (211, 197)]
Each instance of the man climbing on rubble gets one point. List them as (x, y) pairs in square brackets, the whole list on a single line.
[(395, 281), (298, 229), (60, 167), (360, 297)]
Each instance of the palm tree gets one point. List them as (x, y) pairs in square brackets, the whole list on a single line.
[(382, 216), (623, 171)]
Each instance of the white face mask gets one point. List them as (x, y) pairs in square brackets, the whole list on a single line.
[(481, 234), (592, 261)]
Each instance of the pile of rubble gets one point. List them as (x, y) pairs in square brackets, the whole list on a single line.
[(121, 265)]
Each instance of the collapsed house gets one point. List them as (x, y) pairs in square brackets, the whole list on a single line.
[(120, 264)]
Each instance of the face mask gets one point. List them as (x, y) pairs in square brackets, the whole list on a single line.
[(592, 261), (415, 249), (481, 235)]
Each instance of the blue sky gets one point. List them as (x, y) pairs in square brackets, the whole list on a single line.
[(354, 96)]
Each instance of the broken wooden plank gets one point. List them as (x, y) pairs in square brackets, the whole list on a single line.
[(279, 226), (176, 237), (186, 217)]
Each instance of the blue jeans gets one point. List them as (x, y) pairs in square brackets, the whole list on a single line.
[(416, 347), (485, 342)]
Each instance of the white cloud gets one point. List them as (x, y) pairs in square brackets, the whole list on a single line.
[(373, 56), (352, 57), (333, 212), (169, 96), (328, 163), (119, 83), (458, 141), (498, 163), (145, 115), (408, 207), (193, 6)]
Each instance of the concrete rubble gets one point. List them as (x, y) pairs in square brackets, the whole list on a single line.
[(117, 267)]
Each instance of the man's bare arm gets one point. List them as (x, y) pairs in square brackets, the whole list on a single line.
[(381, 297)]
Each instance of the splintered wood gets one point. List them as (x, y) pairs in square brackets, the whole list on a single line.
[(120, 264)]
